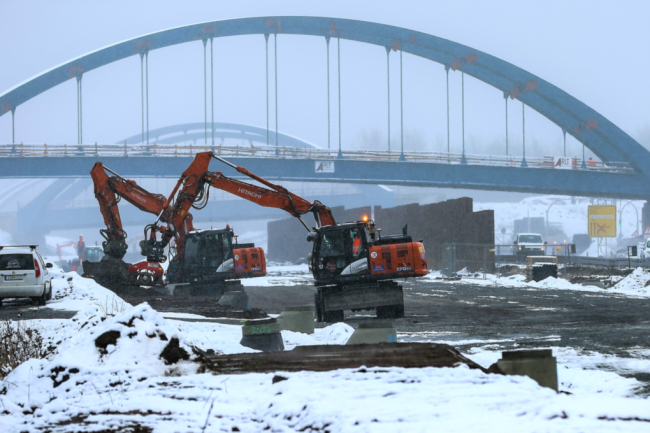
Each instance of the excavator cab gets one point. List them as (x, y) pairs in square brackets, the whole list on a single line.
[(204, 253), (211, 256), (340, 251)]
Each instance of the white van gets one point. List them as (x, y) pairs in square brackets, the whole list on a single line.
[(530, 244)]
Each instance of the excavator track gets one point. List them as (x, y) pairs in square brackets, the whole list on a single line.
[(386, 297)]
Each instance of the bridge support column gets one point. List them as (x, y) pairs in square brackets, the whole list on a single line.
[(388, 93), (146, 81), (142, 91), (275, 52), (13, 130), (79, 111), (463, 160), (523, 135), (205, 93), (329, 129), (211, 91), (448, 141), (401, 107), (266, 39), (505, 96), (340, 155)]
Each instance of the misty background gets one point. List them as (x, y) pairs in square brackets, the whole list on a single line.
[(593, 50)]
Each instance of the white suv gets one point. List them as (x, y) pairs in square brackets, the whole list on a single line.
[(24, 274)]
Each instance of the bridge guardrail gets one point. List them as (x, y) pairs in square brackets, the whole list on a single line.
[(156, 150)]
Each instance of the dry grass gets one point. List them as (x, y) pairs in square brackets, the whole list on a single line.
[(18, 343), (110, 308)]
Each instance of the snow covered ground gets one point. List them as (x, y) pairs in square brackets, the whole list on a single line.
[(141, 372), (282, 275), (637, 284)]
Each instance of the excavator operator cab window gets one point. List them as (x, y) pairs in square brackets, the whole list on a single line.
[(217, 249), (191, 252), (339, 248)]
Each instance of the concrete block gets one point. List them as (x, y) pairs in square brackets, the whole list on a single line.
[(235, 299), (297, 319), (539, 365), (374, 332), (263, 334)]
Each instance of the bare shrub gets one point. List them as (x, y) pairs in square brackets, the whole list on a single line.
[(112, 307), (18, 343)]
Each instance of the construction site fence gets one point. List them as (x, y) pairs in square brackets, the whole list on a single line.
[(265, 151)]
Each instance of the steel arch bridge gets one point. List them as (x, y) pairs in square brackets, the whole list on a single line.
[(195, 131), (597, 133)]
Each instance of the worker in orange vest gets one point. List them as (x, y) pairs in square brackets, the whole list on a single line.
[(356, 245)]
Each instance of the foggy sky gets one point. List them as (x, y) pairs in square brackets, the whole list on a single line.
[(595, 51)]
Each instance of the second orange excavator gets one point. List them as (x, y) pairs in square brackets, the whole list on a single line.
[(353, 266), (211, 261)]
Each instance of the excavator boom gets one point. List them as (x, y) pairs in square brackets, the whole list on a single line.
[(108, 191), (276, 196)]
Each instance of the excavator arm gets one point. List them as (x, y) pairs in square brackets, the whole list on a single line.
[(108, 191), (275, 196), (188, 190)]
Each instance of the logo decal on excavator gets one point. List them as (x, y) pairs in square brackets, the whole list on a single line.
[(378, 268), (240, 267), (139, 197), (404, 268), (247, 192)]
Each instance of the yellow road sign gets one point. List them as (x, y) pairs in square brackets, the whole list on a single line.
[(602, 221)]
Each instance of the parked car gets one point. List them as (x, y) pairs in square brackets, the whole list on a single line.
[(530, 244), (24, 274)]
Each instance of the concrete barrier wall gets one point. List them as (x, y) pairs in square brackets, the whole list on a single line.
[(434, 224)]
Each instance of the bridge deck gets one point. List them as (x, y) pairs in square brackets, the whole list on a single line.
[(427, 169)]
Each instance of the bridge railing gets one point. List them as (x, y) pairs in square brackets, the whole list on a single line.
[(157, 150)]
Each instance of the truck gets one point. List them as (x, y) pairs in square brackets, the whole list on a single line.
[(530, 244)]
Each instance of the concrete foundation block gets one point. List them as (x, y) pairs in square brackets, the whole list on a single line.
[(297, 319), (374, 332), (235, 299), (263, 334), (539, 365)]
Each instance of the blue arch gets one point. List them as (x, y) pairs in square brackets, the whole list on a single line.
[(600, 135), (222, 130)]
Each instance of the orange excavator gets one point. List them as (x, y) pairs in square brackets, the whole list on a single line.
[(352, 264), (111, 271), (210, 260), (201, 257)]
